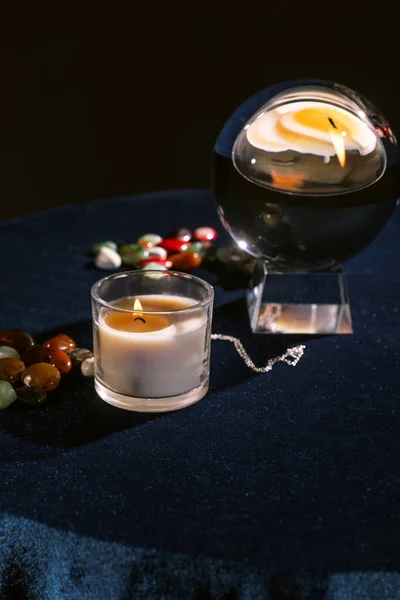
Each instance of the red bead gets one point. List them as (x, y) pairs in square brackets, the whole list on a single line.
[(186, 261), (16, 338), (205, 234), (155, 259), (36, 354), (388, 131), (61, 361), (62, 341), (183, 234), (173, 245)]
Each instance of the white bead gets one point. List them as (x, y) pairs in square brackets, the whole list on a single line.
[(108, 259), (153, 239), (157, 251), (87, 367), (154, 266), (8, 352)]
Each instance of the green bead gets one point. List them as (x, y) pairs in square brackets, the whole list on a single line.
[(8, 352), (194, 247), (198, 247), (78, 355), (7, 394), (108, 244), (132, 253), (31, 396)]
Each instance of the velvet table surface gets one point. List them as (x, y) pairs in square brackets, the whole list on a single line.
[(282, 485)]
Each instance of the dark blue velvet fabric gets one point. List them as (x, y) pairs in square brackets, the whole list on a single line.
[(278, 486)]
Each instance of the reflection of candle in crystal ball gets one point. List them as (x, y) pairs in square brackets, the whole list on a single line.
[(310, 127), (294, 144), (302, 177)]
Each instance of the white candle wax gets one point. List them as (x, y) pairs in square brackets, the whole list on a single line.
[(166, 362), (314, 127)]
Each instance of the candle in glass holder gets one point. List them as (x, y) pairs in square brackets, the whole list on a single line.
[(152, 350)]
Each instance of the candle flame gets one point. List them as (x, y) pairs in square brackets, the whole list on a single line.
[(137, 305), (338, 143)]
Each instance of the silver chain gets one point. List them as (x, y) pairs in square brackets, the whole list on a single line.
[(290, 357)]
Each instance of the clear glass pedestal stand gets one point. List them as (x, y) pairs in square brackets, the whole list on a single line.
[(298, 302)]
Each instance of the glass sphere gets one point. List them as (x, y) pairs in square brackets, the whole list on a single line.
[(305, 174)]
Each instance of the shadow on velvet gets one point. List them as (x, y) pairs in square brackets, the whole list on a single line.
[(74, 415)]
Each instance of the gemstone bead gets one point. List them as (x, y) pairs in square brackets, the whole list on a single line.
[(149, 240), (131, 253), (87, 367), (155, 259), (108, 259), (42, 375), (157, 251), (36, 354), (78, 355), (61, 361), (7, 394), (199, 248), (62, 341), (108, 244), (231, 255), (185, 261), (205, 234), (194, 247), (11, 369), (235, 257), (172, 246), (154, 266), (8, 352), (31, 396), (16, 338), (182, 233)]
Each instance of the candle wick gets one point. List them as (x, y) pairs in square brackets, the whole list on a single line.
[(139, 319), (332, 122)]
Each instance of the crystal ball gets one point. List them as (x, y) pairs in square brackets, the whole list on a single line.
[(305, 174)]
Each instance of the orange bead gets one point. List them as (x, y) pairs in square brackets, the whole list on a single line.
[(145, 244), (42, 376), (148, 240), (11, 369), (62, 341), (185, 261), (61, 361)]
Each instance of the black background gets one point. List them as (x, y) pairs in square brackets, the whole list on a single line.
[(120, 103)]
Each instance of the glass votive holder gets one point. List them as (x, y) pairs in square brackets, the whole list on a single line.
[(152, 339)]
